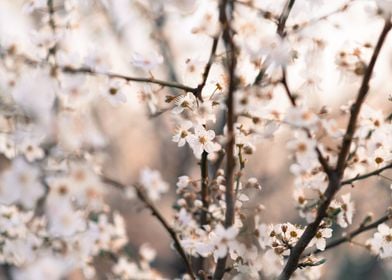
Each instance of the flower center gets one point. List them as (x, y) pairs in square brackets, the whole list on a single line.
[(113, 91), (202, 140)]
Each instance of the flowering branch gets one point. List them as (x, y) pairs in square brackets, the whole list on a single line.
[(90, 71), (225, 16), (155, 212), (336, 175), (362, 228), (366, 175), (280, 30)]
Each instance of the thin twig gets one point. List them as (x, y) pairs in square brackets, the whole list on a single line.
[(366, 175), (266, 14), (226, 8), (142, 196), (289, 5), (204, 188), (336, 176), (284, 16), (52, 50), (90, 71), (299, 26), (208, 66), (356, 107), (200, 263), (362, 228)]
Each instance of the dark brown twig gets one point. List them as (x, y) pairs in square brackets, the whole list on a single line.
[(284, 16), (208, 67), (90, 71), (299, 26), (226, 8), (362, 228), (155, 212), (366, 175)]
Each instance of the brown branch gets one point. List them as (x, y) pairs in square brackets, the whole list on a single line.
[(266, 14), (226, 8), (284, 16), (204, 188), (287, 89), (362, 228), (366, 175), (52, 50), (336, 175), (90, 71), (199, 263), (356, 107), (299, 26), (155, 212), (208, 66)]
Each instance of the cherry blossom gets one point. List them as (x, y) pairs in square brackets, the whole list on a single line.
[(320, 238), (202, 141), (153, 183), (182, 133), (382, 241), (146, 62)]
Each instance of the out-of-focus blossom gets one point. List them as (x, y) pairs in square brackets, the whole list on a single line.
[(21, 184), (146, 62), (153, 183), (114, 92)]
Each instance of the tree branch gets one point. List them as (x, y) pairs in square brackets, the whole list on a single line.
[(207, 68), (366, 175), (356, 107), (284, 16), (90, 71), (155, 212), (226, 8), (362, 228), (336, 175)]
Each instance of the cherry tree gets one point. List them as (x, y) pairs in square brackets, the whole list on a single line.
[(226, 76)]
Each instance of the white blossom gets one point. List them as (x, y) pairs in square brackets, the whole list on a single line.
[(202, 141)]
